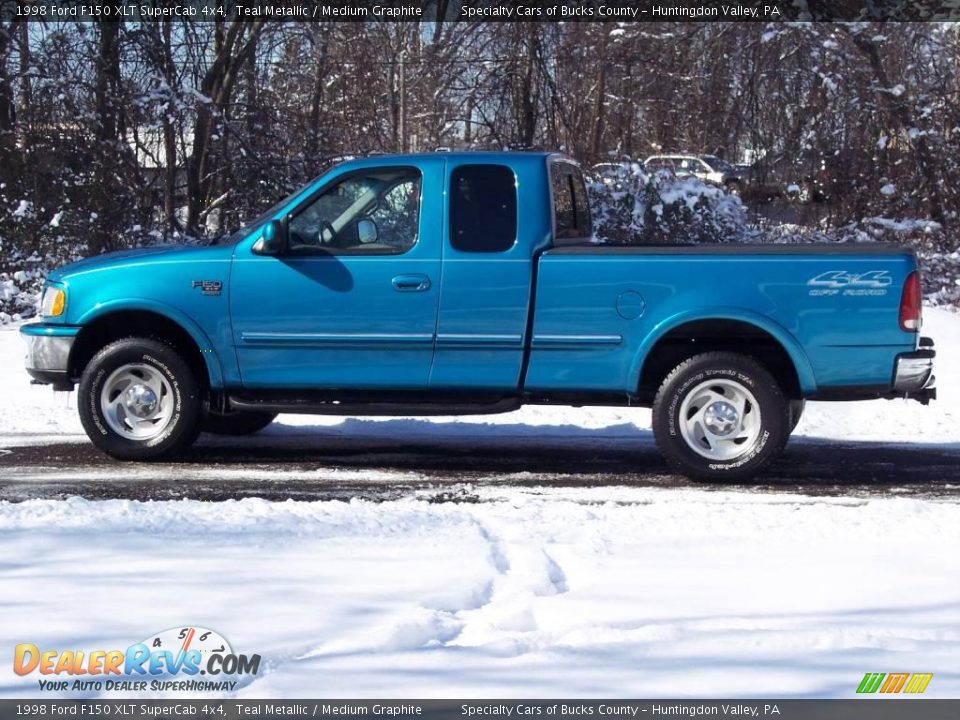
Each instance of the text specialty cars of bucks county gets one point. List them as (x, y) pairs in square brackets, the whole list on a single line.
[(459, 283)]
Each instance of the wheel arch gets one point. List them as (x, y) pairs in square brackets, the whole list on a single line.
[(118, 319), (691, 333)]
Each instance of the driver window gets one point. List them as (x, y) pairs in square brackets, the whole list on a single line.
[(373, 212)]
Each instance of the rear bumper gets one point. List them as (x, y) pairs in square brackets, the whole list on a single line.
[(913, 373), (48, 352), (912, 379)]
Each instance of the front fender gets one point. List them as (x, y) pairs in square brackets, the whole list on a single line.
[(801, 363), (200, 337)]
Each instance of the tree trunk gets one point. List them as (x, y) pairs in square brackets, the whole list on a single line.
[(216, 87), (109, 115), (7, 110), (528, 100), (897, 108), (596, 132), (317, 97), (109, 138), (169, 138)]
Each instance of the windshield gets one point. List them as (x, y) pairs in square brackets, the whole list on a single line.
[(232, 237), (246, 230)]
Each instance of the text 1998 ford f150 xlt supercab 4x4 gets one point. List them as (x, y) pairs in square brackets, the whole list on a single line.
[(456, 283)]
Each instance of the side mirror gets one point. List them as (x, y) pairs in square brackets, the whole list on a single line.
[(367, 231), (271, 239)]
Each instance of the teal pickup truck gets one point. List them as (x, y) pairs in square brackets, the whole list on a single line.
[(455, 283)]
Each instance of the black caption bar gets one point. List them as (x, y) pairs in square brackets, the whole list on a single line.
[(485, 10), (873, 709)]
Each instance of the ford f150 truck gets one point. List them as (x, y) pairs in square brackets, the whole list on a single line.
[(456, 283)]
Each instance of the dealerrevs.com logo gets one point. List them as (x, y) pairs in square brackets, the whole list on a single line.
[(187, 659)]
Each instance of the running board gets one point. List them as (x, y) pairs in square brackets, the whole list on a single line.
[(354, 407)]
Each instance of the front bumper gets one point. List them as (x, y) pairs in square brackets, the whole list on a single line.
[(48, 353), (913, 373)]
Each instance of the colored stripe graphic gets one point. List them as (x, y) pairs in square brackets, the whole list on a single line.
[(870, 682), (894, 682), (918, 682)]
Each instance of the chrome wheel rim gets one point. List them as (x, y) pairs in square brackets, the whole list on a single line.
[(137, 402), (720, 420)]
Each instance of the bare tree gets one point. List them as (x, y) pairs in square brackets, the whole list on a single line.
[(233, 42)]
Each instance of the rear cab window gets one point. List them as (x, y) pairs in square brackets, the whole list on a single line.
[(483, 208), (571, 207)]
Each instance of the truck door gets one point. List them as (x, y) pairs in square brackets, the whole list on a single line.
[(352, 302), (485, 294)]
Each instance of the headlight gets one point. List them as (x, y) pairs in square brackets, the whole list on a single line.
[(53, 302)]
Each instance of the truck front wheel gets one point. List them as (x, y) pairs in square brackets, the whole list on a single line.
[(139, 400), (720, 416)]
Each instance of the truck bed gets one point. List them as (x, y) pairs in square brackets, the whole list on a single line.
[(833, 307)]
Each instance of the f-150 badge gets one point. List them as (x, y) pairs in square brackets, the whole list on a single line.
[(208, 287)]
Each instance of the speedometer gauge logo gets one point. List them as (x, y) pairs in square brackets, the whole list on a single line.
[(183, 640)]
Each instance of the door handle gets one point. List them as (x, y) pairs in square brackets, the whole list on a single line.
[(411, 283)]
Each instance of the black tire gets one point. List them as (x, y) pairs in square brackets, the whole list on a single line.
[(186, 405), (796, 412), (241, 422), (734, 187), (692, 377)]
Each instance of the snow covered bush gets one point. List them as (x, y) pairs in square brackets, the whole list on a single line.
[(636, 208), (33, 240), (18, 295), (941, 278), (663, 209)]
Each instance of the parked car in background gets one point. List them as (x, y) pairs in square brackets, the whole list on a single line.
[(616, 174), (708, 168)]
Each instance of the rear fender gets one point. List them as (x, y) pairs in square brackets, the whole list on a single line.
[(808, 383)]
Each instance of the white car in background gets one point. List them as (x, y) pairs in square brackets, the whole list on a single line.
[(708, 168), (618, 174)]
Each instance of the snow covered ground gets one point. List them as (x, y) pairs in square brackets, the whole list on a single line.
[(604, 591), (612, 592)]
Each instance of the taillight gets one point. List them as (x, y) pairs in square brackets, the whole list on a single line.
[(910, 303)]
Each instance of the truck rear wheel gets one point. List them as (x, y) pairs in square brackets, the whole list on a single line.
[(796, 412), (240, 422), (720, 416), (139, 400)]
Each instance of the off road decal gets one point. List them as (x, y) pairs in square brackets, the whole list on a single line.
[(841, 282)]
